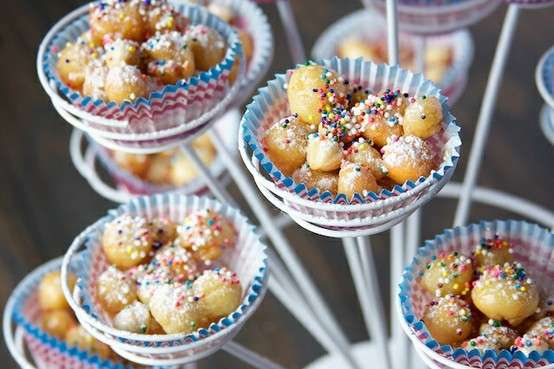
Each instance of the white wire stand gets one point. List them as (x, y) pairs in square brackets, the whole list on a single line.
[(292, 34)]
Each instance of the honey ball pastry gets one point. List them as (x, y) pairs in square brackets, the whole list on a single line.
[(490, 252), (506, 293), (355, 47), (169, 57), (206, 234), (50, 293), (136, 164), (423, 117), (127, 241), (207, 45), (121, 52), (183, 170), (125, 83), (313, 90), (448, 274), (77, 336), (162, 231), (161, 17), (408, 158), (95, 80), (323, 153), (482, 343), (324, 181), (543, 328), (355, 178), (219, 292), (528, 343), (115, 290), (361, 152), (285, 143), (113, 19), (177, 309), (177, 261), (449, 319), (57, 322), (502, 336), (73, 59), (134, 318)]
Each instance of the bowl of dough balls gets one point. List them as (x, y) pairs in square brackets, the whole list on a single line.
[(51, 332), (446, 58), (137, 72), (170, 170), (166, 279), (429, 17), (349, 144), (481, 296)]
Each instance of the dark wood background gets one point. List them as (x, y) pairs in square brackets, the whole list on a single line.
[(44, 202)]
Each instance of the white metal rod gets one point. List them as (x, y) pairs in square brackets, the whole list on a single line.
[(213, 184), (420, 49), (396, 266), (485, 115), (368, 293), (190, 366), (318, 304), (413, 225), (378, 320), (250, 357), (392, 31), (291, 31)]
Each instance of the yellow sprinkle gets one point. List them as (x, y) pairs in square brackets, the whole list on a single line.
[(456, 286)]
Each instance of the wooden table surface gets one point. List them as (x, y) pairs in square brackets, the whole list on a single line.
[(44, 202)]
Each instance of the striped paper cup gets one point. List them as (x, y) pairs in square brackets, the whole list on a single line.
[(427, 17), (366, 214), (533, 246), (248, 259)]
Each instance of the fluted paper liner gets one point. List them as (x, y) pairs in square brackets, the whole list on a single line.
[(533, 246)]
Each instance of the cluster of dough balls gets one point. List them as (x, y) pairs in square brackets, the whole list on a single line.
[(57, 319), (169, 168), (135, 47), (344, 140), (167, 277), (486, 301), (438, 56)]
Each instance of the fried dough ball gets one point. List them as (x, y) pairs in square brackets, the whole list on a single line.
[(356, 178), (380, 132), (162, 231), (219, 291), (159, 169), (285, 144), (491, 252), (544, 328), (127, 241), (205, 233), (361, 152), (77, 336), (323, 153), (313, 89), (169, 57), (179, 262), (449, 319), (115, 290), (148, 277), (177, 309), (95, 80), (408, 158), (73, 60), (110, 20), (57, 322), (324, 181), (529, 343), (505, 293), (50, 293), (134, 318), (221, 11), (354, 48), (125, 83), (448, 274), (136, 164), (502, 336), (121, 52), (208, 46), (161, 17), (423, 117), (184, 171), (482, 343)]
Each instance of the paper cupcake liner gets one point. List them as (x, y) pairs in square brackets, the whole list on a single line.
[(533, 247), (251, 19), (271, 105), (531, 3), (130, 183), (439, 16), (370, 26), (47, 351), (247, 259), (174, 106), (544, 77)]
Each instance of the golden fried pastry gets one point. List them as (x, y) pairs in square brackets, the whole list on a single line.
[(73, 60), (285, 144), (423, 117), (219, 291), (449, 319), (323, 153), (491, 252), (78, 337), (50, 293), (356, 178), (113, 19), (324, 181), (115, 290), (361, 152), (407, 159), (208, 46), (448, 274), (125, 83), (57, 322)]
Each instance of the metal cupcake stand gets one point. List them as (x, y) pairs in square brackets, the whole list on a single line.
[(290, 281)]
